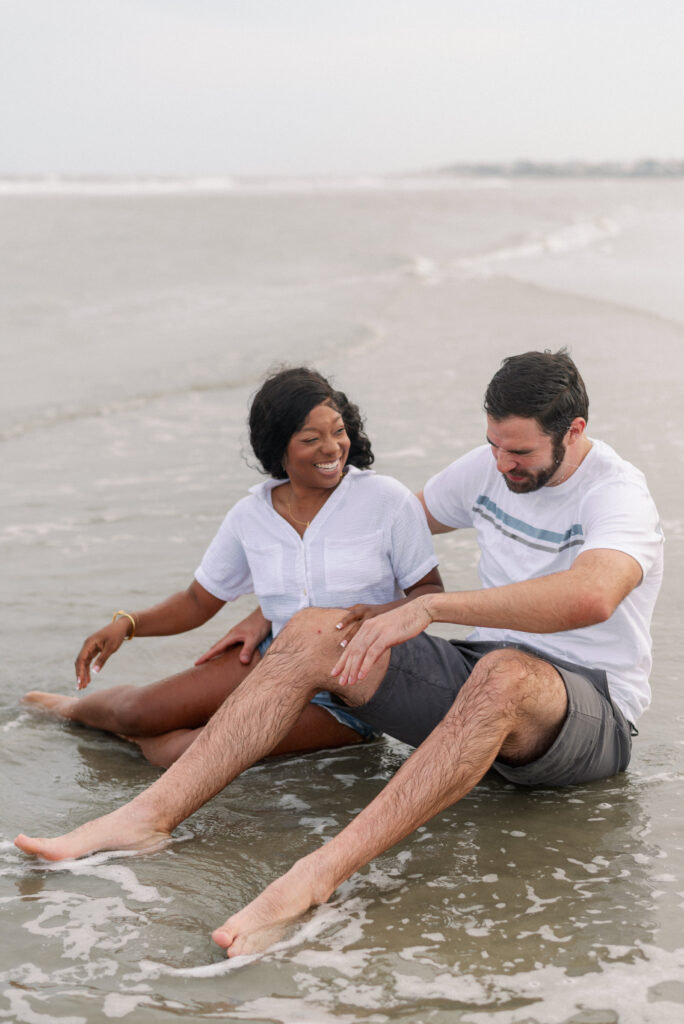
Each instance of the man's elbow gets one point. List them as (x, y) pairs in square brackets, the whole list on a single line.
[(594, 607)]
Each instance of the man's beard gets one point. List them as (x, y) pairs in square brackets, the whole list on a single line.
[(534, 479)]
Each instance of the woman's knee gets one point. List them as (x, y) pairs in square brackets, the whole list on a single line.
[(133, 711)]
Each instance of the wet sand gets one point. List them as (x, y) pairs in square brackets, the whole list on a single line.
[(136, 335)]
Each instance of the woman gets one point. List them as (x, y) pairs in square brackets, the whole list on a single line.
[(323, 530)]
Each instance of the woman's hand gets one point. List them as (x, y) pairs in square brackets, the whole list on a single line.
[(177, 614), (101, 646), (355, 616), (250, 632)]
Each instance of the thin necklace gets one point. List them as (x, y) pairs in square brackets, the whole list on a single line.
[(564, 476), (572, 467), (299, 521)]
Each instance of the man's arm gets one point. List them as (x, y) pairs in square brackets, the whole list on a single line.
[(587, 593), (434, 524)]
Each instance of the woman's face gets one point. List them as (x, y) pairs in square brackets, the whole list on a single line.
[(316, 454)]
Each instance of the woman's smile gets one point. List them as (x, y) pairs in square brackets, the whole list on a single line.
[(328, 467), (317, 453)]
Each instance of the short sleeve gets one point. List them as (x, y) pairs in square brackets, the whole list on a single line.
[(623, 517), (412, 552), (449, 494), (224, 570)]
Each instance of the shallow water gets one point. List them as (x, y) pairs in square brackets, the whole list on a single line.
[(134, 329)]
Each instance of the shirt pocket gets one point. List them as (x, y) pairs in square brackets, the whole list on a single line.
[(266, 568), (356, 563)]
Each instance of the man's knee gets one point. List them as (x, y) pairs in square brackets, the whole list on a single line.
[(506, 663), (308, 646), (313, 627), (514, 680)]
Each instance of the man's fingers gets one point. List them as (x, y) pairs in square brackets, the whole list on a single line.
[(365, 663), (344, 665), (359, 657)]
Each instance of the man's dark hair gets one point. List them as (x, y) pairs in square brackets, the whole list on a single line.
[(280, 408), (545, 386)]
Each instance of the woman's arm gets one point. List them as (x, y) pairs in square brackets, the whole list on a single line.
[(177, 614), (358, 613), (254, 628)]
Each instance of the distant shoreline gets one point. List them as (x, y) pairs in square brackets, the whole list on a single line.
[(478, 174), (645, 168)]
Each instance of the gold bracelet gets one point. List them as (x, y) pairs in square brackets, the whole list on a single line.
[(128, 616)]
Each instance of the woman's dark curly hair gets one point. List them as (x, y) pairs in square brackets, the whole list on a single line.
[(282, 404)]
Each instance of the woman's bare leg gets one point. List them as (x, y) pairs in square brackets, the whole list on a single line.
[(164, 718), (186, 700), (248, 726), (315, 729)]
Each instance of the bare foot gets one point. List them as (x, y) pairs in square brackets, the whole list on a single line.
[(55, 703), (263, 921), (123, 829)]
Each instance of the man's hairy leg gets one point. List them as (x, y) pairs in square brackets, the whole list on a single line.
[(513, 706), (247, 726)]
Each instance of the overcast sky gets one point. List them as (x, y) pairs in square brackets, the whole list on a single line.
[(287, 87)]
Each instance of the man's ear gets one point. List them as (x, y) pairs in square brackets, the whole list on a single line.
[(576, 429)]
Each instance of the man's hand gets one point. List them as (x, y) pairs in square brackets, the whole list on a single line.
[(355, 616), (377, 635)]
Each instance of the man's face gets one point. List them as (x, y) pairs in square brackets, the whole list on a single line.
[(526, 457)]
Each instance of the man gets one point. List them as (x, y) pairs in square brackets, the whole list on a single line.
[(546, 690)]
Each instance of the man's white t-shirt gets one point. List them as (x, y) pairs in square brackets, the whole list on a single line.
[(604, 504), (368, 543)]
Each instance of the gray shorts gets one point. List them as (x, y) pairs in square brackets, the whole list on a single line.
[(426, 673)]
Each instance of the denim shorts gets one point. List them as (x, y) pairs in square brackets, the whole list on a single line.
[(424, 678), (325, 701)]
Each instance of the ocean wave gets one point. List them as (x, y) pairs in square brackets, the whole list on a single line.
[(641, 984), (564, 239), (55, 185), (46, 420), (59, 186)]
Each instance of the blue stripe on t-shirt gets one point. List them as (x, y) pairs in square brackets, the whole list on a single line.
[(573, 535)]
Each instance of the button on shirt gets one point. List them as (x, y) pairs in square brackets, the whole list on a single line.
[(368, 543)]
